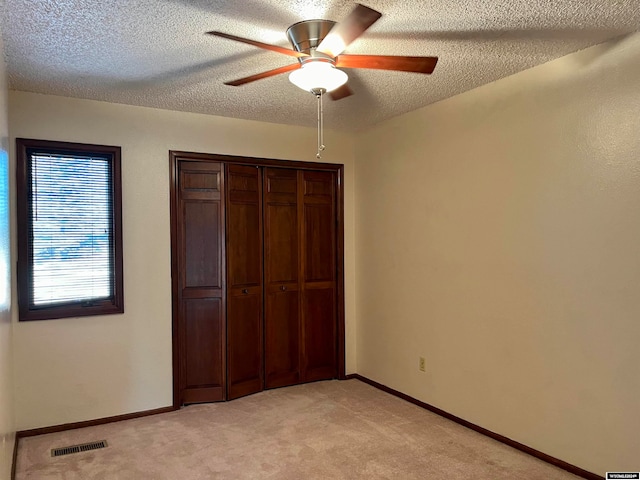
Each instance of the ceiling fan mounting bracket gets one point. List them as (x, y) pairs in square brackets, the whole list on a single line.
[(305, 36)]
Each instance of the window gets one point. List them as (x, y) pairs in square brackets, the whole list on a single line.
[(69, 230)]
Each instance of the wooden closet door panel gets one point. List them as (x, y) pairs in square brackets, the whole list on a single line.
[(319, 334), (199, 180), (319, 223), (282, 342), (244, 244), (319, 234), (244, 347), (282, 277), (202, 259), (244, 281), (281, 243), (318, 275), (204, 350), (201, 326)]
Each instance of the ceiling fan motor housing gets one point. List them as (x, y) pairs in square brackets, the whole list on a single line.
[(305, 36)]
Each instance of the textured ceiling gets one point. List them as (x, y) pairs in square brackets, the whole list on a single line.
[(155, 52)]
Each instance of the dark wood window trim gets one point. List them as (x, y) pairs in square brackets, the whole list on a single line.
[(176, 156), (27, 311)]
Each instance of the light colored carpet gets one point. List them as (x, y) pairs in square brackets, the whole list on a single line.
[(323, 430)]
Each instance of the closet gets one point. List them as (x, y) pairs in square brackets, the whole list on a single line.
[(257, 275)]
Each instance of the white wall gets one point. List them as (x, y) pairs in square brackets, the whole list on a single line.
[(85, 368), (498, 236), (7, 431)]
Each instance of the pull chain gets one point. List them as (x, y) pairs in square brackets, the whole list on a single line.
[(320, 124)]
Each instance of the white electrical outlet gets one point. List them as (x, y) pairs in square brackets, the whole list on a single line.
[(421, 364)]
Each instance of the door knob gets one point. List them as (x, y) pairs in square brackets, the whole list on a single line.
[(283, 288), (245, 291)]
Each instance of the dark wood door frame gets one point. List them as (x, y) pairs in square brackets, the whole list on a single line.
[(174, 158)]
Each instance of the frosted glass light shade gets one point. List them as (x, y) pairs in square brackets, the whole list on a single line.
[(316, 75)]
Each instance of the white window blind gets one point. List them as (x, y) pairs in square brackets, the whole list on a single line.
[(71, 231)]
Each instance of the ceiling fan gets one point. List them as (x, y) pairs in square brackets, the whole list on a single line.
[(318, 46)]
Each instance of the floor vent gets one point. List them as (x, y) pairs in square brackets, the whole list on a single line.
[(85, 447)]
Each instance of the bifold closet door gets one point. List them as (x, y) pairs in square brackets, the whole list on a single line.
[(300, 276), (282, 278), (318, 274), (244, 281), (201, 306), (257, 302)]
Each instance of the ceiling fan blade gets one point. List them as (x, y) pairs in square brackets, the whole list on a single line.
[(260, 76), (340, 92), (266, 46), (348, 30), (388, 62)]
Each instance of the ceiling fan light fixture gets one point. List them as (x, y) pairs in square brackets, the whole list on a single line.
[(318, 75)]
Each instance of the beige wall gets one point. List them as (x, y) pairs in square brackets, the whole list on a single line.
[(498, 236), (7, 431), (77, 369)]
